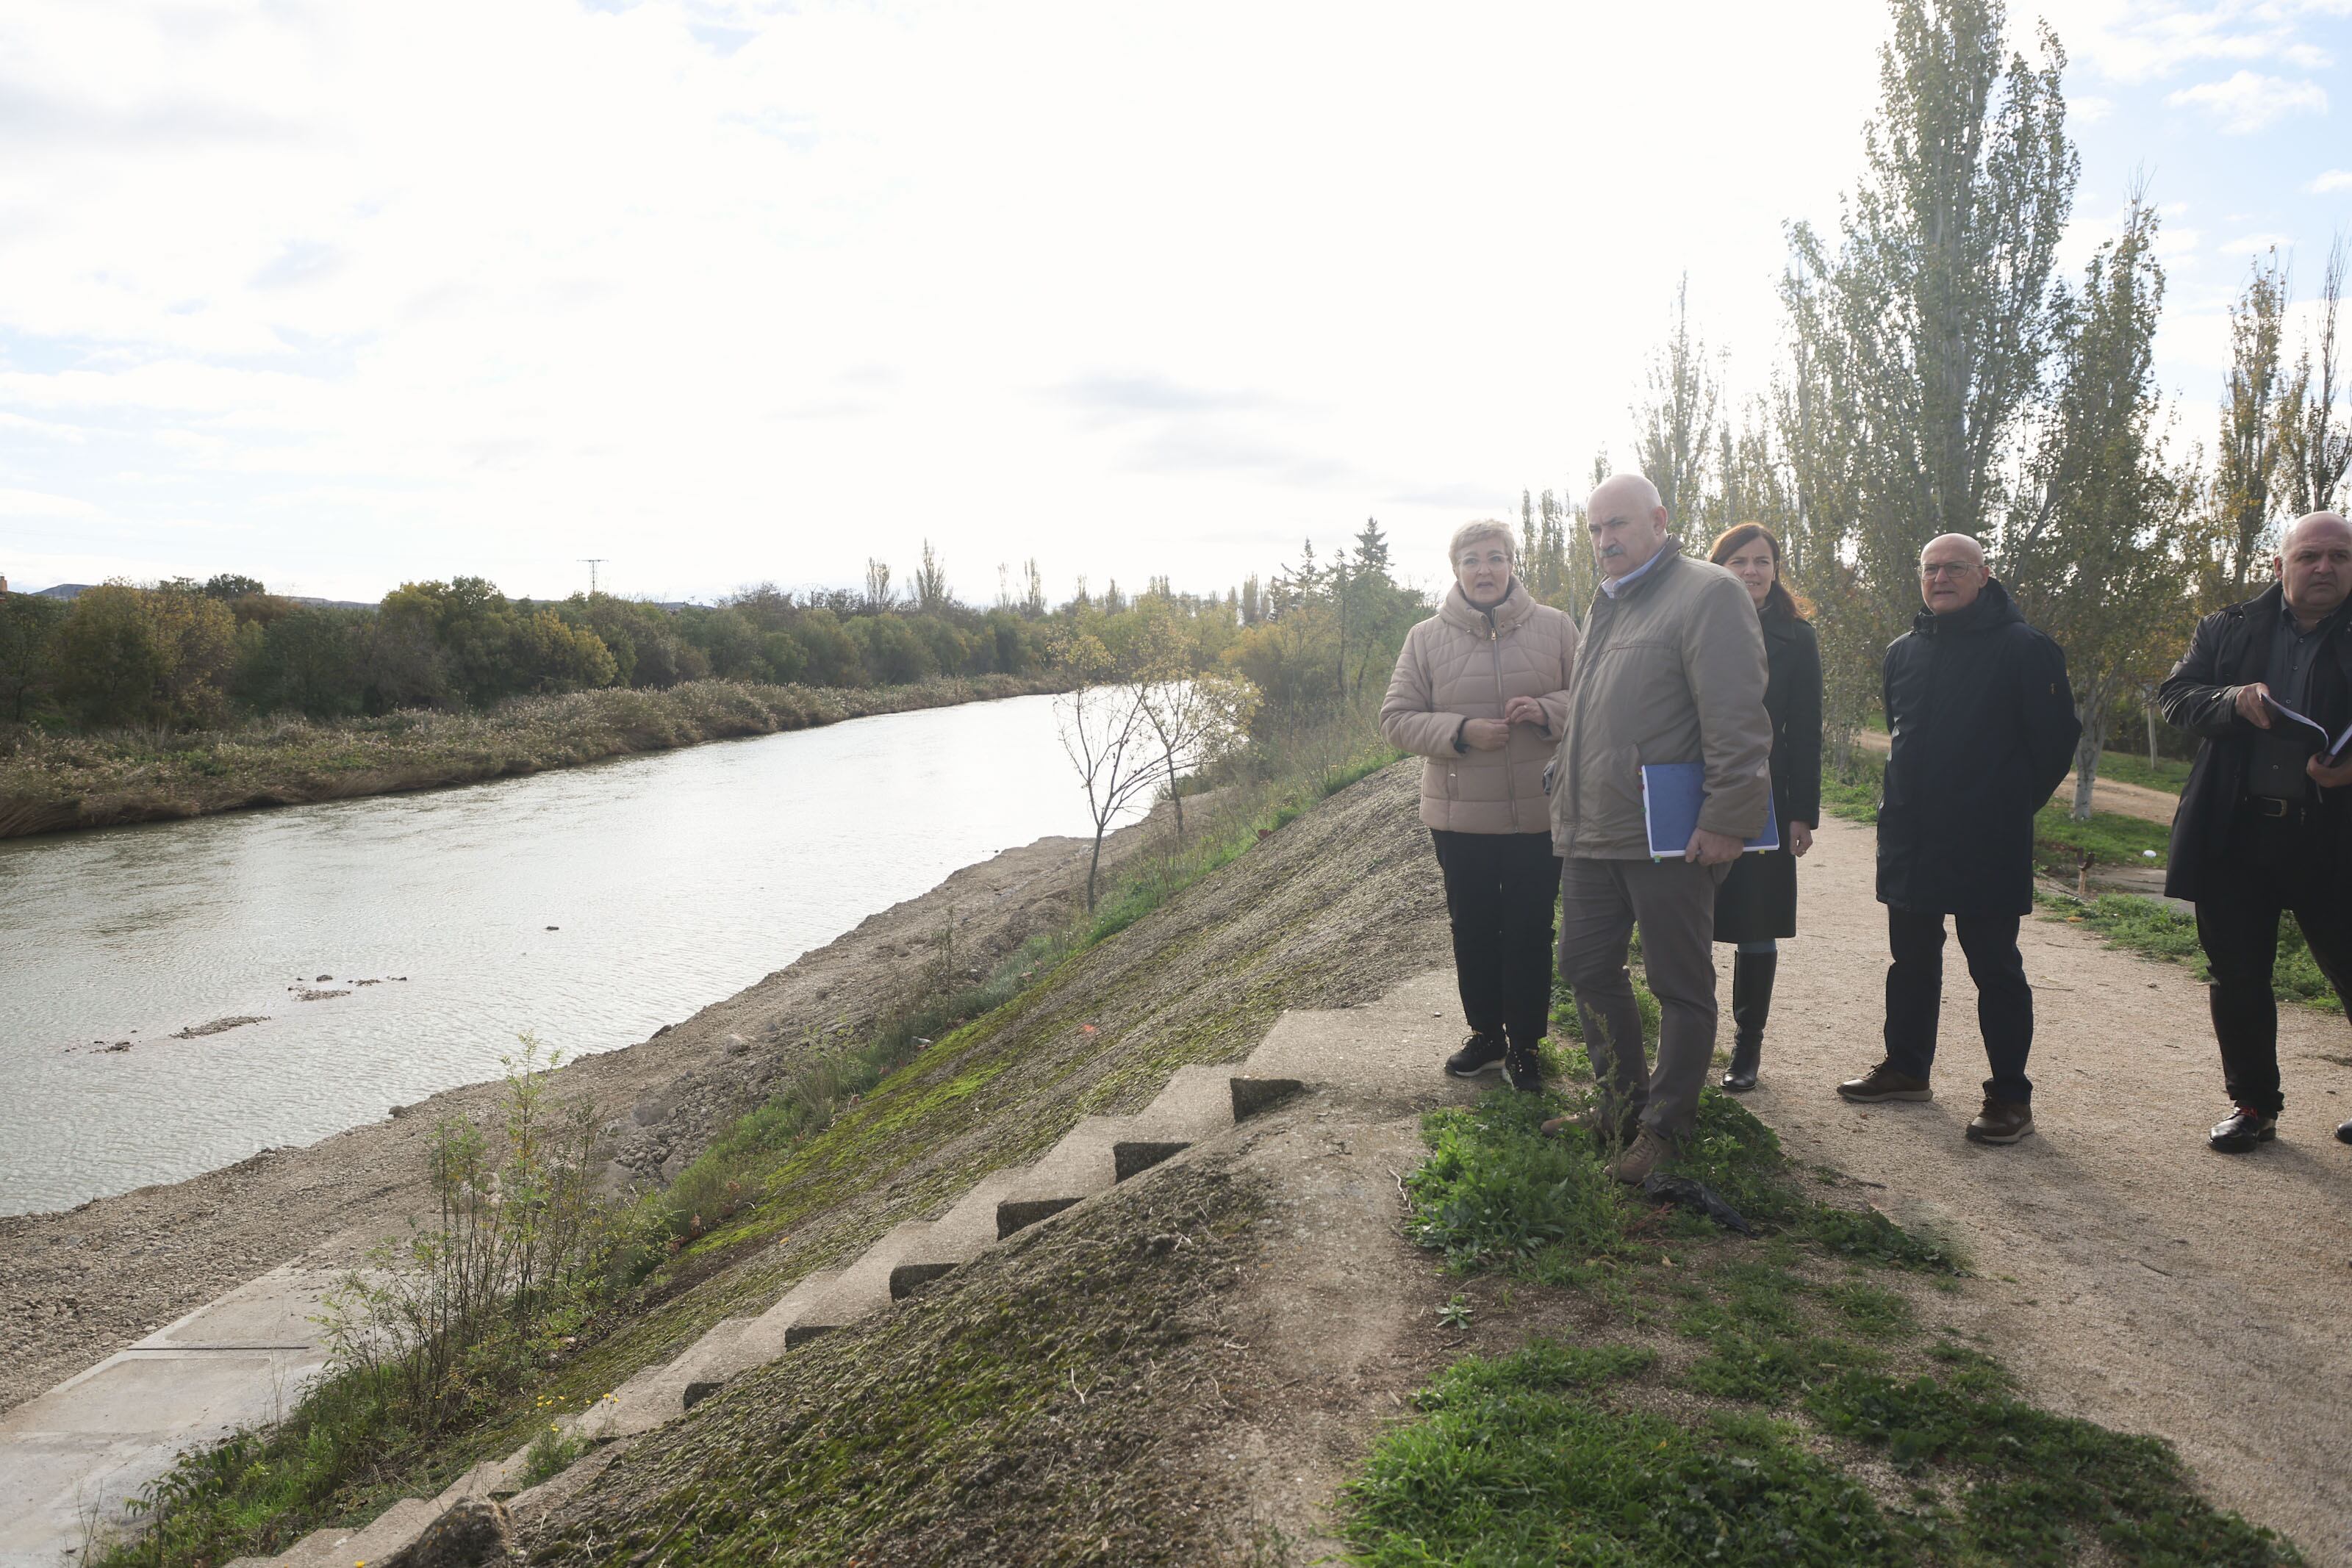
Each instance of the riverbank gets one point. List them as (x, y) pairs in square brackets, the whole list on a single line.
[(55, 783), (1223, 1360)]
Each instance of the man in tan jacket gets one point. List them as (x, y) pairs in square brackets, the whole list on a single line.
[(1481, 691), (1671, 671)]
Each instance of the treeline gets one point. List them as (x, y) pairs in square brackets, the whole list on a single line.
[(188, 654), (1937, 373)]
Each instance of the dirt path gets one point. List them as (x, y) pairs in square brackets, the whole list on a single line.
[(2127, 1272), (76, 1287), (2107, 794)]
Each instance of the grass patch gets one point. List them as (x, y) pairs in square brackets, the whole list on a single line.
[(1496, 1193), (2148, 926), (1527, 1458), (2108, 838), (2059, 841), (2171, 774), (2034, 1487), (1766, 1446)]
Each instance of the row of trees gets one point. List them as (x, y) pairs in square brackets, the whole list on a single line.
[(186, 654), (1937, 374)]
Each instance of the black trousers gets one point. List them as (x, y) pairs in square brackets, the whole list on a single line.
[(1500, 890), (1915, 995), (2270, 865)]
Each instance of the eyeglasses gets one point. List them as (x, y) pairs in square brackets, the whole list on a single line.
[(1935, 568)]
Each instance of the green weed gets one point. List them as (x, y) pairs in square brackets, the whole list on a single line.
[(2038, 1488), (1528, 1459)]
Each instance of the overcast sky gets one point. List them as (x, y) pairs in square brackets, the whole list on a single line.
[(341, 293)]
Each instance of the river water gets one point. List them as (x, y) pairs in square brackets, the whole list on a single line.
[(589, 907)]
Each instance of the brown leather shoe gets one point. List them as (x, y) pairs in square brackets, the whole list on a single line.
[(1641, 1158), (2001, 1121), (1882, 1082)]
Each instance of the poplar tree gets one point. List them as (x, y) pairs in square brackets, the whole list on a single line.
[(2315, 444), (2090, 550), (2246, 456), (1676, 421), (1926, 329), (930, 583)]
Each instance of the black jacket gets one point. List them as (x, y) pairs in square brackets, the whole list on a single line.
[(2232, 649), (1758, 897), (1792, 700), (1983, 727)]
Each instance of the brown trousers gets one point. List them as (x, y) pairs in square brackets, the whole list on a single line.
[(1673, 902)]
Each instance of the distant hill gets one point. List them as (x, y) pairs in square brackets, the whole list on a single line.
[(72, 590)]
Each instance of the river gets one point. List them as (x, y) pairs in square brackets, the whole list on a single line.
[(588, 907)]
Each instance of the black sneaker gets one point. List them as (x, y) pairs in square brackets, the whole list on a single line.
[(2241, 1130), (1480, 1053), (1524, 1070)]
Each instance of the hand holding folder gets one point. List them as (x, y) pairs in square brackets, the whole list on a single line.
[(2328, 750), (1672, 796)]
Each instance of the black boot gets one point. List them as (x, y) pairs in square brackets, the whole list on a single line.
[(1751, 1004)]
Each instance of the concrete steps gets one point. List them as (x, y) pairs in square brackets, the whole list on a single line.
[(864, 1288), (1082, 1164), (394, 1529), (1333, 1050), (956, 1238)]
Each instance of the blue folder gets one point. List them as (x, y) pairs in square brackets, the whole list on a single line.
[(1672, 793)]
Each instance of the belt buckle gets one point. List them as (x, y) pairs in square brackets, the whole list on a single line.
[(2270, 806)]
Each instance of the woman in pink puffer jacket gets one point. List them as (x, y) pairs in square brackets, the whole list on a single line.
[(1481, 692)]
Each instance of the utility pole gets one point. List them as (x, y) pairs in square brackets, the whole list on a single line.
[(594, 563)]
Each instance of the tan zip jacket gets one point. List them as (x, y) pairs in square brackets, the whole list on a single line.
[(1671, 671), (1465, 663)]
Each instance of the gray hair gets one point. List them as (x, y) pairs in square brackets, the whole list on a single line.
[(1470, 533)]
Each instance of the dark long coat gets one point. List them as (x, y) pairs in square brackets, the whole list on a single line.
[(1758, 899), (2232, 649), (1982, 722)]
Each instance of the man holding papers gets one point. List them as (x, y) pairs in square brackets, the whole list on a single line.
[(2267, 687), (1671, 671), (1982, 727)]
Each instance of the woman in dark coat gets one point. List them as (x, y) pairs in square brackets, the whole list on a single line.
[(1757, 904)]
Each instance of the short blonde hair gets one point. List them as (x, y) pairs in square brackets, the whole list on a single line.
[(1470, 533)]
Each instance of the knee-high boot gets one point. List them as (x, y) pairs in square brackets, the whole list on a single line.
[(1751, 1003)]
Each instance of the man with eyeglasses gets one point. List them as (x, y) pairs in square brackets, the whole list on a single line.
[(2263, 826), (1982, 725)]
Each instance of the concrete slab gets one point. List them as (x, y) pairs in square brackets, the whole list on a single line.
[(70, 1458), (1388, 1058), (395, 1528), (273, 1311)]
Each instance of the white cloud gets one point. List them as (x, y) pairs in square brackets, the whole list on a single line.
[(343, 295), (2255, 244), (2246, 103), (458, 288), (35, 504), (2334, 179), (2138, 41)]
